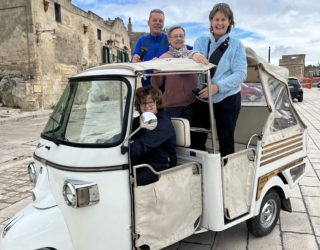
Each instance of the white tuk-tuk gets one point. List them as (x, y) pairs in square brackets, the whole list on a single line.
[(86, 196)]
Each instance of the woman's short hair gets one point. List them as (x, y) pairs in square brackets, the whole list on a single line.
[(226, 10), (174, 27), (143, 92)]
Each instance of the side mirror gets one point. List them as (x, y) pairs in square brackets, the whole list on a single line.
[(148, 121)]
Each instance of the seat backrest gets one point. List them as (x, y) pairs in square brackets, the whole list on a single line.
[(182, 129)]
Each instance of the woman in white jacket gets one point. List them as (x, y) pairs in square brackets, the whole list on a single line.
[(226, 80)]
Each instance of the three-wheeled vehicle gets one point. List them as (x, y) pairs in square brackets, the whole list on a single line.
[(86, 196)]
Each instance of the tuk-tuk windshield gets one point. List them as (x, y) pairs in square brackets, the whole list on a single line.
[(90, 112)]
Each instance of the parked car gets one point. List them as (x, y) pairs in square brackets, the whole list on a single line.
[(318, 84), (250, 93), (295, 88)]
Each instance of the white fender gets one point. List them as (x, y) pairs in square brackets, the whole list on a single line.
[(34, 228), (274, 181)]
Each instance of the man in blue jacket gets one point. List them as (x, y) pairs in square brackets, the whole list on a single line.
[(153, 44)]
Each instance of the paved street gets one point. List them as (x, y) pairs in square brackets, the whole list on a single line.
[(297, 230)]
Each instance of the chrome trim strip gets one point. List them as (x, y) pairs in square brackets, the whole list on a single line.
[(82, 169)]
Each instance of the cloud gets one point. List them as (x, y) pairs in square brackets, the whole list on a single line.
[(286, 26)]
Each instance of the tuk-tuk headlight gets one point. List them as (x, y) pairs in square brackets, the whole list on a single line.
[(80, 194), (32, 173), (70, 194)]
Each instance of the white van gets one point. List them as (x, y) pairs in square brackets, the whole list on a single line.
[(86, 196)]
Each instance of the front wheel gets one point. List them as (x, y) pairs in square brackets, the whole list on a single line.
[(265, 221)]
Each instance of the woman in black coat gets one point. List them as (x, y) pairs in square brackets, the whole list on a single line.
[(154, 147)]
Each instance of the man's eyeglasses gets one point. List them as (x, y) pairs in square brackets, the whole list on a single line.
[(177, 36), (149, 103)]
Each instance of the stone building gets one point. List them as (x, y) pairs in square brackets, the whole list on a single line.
[(294, 63), (134, 36), (44, 42), (312, 71)]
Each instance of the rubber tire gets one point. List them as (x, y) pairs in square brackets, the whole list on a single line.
[(300, 99), (254, 224)]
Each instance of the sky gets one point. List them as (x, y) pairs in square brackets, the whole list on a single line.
[(286, 26)]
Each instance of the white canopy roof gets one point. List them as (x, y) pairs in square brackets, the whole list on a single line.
[(159, 65), (167, 65)]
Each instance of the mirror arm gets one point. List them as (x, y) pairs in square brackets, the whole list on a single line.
[(132, 134), (124, 149)]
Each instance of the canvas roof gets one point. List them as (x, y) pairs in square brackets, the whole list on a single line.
[(168, 65), (159, 65), (281, 73)]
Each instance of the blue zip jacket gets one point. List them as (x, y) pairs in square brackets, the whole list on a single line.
[(232, 68), (149, 47)]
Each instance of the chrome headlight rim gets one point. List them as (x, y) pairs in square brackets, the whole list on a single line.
[(79, 193), (70, 194)]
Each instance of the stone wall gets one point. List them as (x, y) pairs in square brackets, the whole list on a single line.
[(15, 91), (16, 52), (48, 48)]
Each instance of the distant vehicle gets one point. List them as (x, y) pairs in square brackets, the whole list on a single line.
[(295, 88), (318, 84), (250, 93)]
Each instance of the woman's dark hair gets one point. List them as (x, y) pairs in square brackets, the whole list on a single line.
[(143, 92), (226, 10)]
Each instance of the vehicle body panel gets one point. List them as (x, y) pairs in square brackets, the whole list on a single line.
[(270, 154), (38, 228)]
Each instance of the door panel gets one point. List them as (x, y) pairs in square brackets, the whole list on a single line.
[(238, 180), (168, 210)]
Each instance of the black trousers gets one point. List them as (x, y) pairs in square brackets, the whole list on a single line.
[(226, 114)]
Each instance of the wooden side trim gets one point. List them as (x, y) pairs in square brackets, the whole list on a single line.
[(274, 143), (281, 150), (266, 151), (281, 156), (265, 178)]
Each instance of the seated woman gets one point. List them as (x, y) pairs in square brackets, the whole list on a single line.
[(154, 147)]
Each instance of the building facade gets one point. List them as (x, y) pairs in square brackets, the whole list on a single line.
[(134, 36), (294, 63), (44, 42)]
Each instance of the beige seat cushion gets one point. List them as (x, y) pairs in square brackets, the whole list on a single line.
[(182, 129)]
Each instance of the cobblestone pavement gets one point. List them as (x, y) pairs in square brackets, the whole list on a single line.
[(297, 230)]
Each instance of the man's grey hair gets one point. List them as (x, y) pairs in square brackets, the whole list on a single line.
[(155, 11)]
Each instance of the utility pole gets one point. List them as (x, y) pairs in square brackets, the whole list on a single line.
[(269, 51)]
